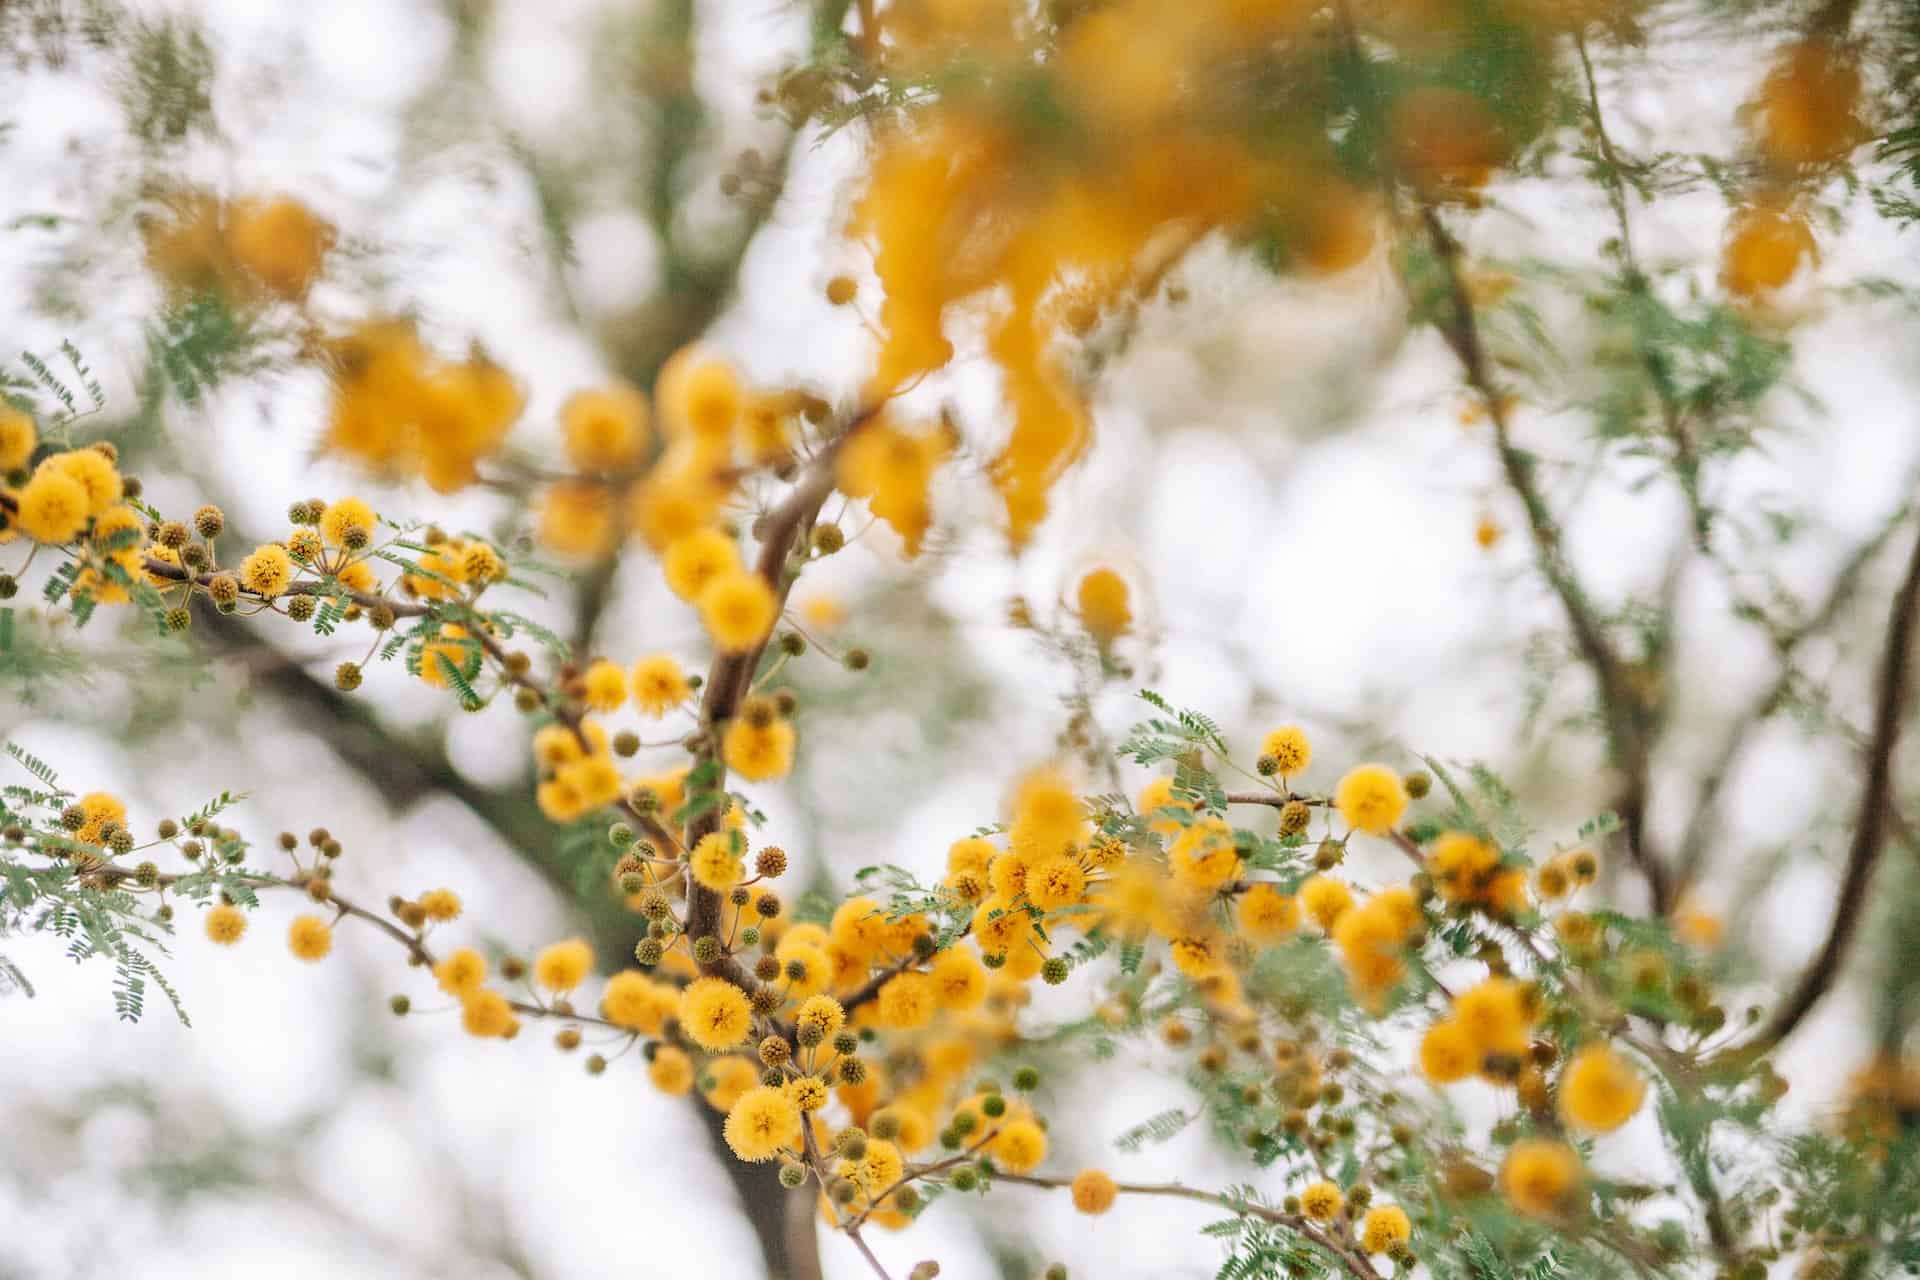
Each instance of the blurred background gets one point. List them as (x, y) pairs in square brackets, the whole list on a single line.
[(1283, 470)]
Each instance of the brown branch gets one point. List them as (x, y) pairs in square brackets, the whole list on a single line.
[(1627, 730), (732, 673), (1871, 826)]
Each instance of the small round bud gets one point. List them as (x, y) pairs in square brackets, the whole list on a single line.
[(885, 1127), (775, 1052), (858, 659), (73, 817), (1055, 971), (793, 1176), (647, 952), (1026, 1079), (301, 608), (346, 677), (706, 948), (382, 617), (1294, 816), (993, 1106), (626, 743), (400, 1006), (121, 841), (792, 643), (567, 1039), (209, 520), (841, 290), (9, 586), (194, 556), (841, 1191), (1329, 855), (765, 1000), (172, 535), (845, 1042), (179, 619), (767, 906), (739, 895), (596, 1064), (224, 589), (1418, 783), (771, 862), (1266, 766), (828, 538), (853, 1071), (963, 1179)]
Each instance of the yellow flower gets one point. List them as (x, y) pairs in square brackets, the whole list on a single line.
[(440, 904), (485, 1013), (1158, 795), (225, 924), (725, 1080), (659, 684), (1540, 1177), (959, 979), (699, 397), (1321, 1201), (53, 507), (880, 1167), (1463, 866), (461, 972), (267, 571), (697, 559), (17, 438), (822, 1014), (605, 686), (99, 808), (717, 862), (1020, 1147), (638, 1003), (738, 609), (576, 519), (1371, 798), (907, 1002), (606, 428), (758, 753), (893, 469), (715, 1013), (1267, 915), (1600, 1090), (93, 471), (348, 518), (1448, 1053), (1055, 882), (1203, 856), (761, 1123), (1385, 1227), (310, 937), (1102, 600), (564, 965), (670, 1070), (809, 1093), (1497, 1014), (279, 242), (1325, 899), (1093, 1191), (1289, 750)]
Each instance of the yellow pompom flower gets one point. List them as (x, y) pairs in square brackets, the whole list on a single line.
[(225, 924), (1600, 1090), (1385, 1227), (93, 471), (1541, 1177), (605, 428), (1321, 1201), (717, 861), (310, 938), (761, 1123), (1093, 1191), (486, 1013), (1497, 1014), (725, 1080), (1325, 899), (959, 979), (99, 808), (822, 1014), (1371, 798), (1055, 882), (340, 521), (564, 965), (119, 530), (461, 972), (267, 571), (605, 685), (698, 397), (659, 684), (18, 437), (279, 242), (1103, 604), (1020, 1146), (670, 1070), (697, 559), (1448, 1053), (638, 1003), (907, 1002), (440, 904), (52, 507), (1267, 915), (715, 1013), (880, 1168), (1289, 750), (738, 609), (809, 1093), (1203, 855), (758, 753), (1463, 866)]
